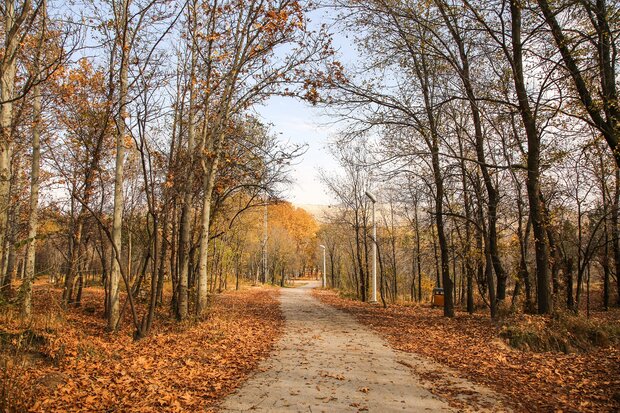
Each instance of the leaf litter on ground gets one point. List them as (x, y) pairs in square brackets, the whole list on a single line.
[(471, 345), (182, 367)]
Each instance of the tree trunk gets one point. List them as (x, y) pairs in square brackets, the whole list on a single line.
[(8, 68), (121, 131), (418, 250), (448, 309), (203, 276), (436, 256), (615, 232), (26, 307), (492, 193), (185, 229), (488, 266), (533, 166), (570, 302), (605, 258), (10, 270), (382, 278)]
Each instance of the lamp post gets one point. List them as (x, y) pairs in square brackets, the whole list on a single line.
[(324, 276), (264, 243), (373, 298)]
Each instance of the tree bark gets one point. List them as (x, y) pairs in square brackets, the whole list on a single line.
[(121, 131), (33, 216), (8, 68), (185, 229), (615, 231), (26, 306), (208, 185), (533, 165)]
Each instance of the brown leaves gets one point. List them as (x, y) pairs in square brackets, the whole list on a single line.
[(336, 376), (471, 345), (180, 368)]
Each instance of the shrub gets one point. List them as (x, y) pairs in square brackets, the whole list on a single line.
[(562, 333)]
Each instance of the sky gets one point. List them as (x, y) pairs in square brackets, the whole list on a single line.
[(301, 123), (297, 122)]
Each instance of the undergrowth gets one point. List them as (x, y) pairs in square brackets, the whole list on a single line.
[(17, 352), (562, 332), (23, 344)]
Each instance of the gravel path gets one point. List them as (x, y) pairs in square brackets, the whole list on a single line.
[(328, 362)]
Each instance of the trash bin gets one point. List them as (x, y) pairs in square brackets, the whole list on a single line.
[(437, 299)]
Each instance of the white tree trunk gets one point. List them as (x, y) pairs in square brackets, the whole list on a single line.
[(182, 303), (203, 252), (33, 218), (26, 307), (117, 220), (7, 90)]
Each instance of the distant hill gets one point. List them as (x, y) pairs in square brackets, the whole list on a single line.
[(317, 211)]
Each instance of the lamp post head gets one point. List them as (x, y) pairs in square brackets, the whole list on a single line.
[(371, 196), (322, 246)]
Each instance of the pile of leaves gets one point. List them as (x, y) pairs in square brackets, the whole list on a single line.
[(472, 346), (72, 365)]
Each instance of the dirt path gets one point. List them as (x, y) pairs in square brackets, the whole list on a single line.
[(328, 362)]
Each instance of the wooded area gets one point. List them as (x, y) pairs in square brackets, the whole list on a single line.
[(137, 182), (131, 158), (488, 131)]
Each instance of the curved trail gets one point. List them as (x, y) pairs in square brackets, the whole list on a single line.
[(328, 362)]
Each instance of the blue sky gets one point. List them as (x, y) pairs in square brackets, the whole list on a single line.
[(300, 123)]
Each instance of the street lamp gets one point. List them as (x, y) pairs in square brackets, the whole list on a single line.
[(324, 277), (264, 243), (373, 299)]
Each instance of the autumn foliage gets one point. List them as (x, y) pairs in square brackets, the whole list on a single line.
[(64, 363)]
